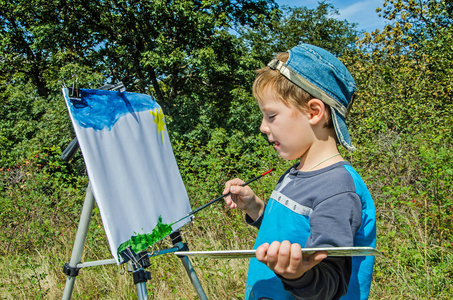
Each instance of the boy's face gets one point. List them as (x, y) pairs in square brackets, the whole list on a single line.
[(287, 127)]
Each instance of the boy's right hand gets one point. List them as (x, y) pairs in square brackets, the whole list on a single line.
[(242, 197)]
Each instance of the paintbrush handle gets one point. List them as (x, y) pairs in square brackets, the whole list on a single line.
[(221, 197)]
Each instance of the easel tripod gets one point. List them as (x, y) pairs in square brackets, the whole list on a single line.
[(137, 263)]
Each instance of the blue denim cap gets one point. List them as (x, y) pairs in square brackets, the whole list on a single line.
[(326, 78)]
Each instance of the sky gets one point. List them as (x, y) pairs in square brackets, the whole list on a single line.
[(362, 12)]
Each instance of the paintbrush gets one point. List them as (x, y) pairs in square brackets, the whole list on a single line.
[(221, 197), (161, 230)]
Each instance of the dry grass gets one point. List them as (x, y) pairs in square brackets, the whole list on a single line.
[(411, 269), (39, 275)]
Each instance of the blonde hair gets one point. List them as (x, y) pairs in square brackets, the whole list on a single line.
[(288, 92), (284, 89)]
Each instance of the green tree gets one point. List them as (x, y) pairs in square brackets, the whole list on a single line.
[(169, 47), (410, 62), (35, 34), (318, 26), (178, 49)]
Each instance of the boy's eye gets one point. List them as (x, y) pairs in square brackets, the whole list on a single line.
[(271, 117)]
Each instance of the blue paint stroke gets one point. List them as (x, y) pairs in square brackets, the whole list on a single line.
[(99, 109), (128, 105)]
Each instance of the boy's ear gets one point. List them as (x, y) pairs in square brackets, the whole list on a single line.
[(316, 111)]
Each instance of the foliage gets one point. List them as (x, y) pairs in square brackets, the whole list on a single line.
[(29, 122), (411, 80), (197, 58), (414, 224), (318, 26), (181, 51), (402, 121), (37, 196)]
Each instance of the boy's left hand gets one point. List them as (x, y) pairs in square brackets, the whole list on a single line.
[(286, 259)]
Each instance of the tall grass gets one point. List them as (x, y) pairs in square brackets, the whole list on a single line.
[(38, 274)]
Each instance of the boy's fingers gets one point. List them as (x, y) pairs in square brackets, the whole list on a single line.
[(229, 201), (318, 256), (237, 190), (243, 193), (283, 259), (296, 251), (226, 190), (284, 252), (296, 258), (286, 258), (314, 259), (261, 252), (296, 254), (236, 181), (272, 254), (230, 184)]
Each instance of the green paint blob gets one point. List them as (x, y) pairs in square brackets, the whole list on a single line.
[(140, 242)]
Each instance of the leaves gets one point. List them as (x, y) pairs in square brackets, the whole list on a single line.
[(317, 26)]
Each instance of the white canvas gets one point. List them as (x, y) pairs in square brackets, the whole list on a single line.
[(130, 162)]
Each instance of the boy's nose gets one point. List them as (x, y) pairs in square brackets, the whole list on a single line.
[(264, 128)]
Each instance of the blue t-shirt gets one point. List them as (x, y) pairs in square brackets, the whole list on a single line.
[(330, 207)]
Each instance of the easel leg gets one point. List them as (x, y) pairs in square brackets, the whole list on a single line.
[(177, 241), (79, 242), (137, 263), (142, 292)]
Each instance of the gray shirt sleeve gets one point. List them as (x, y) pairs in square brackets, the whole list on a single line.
[(335, 221)]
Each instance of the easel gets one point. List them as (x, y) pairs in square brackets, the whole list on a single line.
[(137, 263)]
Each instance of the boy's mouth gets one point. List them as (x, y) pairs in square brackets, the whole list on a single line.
[(276, 145)]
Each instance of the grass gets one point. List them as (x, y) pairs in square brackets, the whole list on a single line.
[(39, 275), (409, 270)]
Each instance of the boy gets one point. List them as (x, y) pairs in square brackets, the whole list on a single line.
[(321, 201)]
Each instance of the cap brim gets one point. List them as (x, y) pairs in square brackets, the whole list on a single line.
[(342, 130)]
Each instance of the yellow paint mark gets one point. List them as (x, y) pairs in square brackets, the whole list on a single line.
[(160, 121)]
